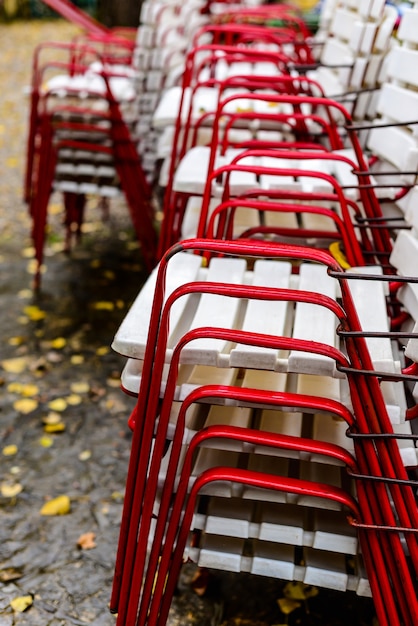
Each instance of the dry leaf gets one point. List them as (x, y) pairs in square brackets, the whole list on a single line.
[(80, 387), (58, 506), (10, 573), (25, 405), (52, 418), (10, 450), (59, 404), (77, 359), (200, 582), (34, 313), (58, 343), (103, 306), (74, 399), (86, 541), (10, 490), (287, 605), (15, 366), (299, 591), (59, 427), (21, 603), (29, 390), (16, 341), (46, 442), (102, 351)]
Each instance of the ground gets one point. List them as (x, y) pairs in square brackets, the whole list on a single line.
[(57, 367)]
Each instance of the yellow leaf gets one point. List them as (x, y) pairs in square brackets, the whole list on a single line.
[(25, 405), (80, 387), (103, 306), (86, 541), (46, 442), (85, 455), (54, 428), (10, 490), (10, 450), (58, 343), (102, 351), (29, 390), (59, 404), (77, 359), (287, 605), (15, 366), (74, 399), (16, 341), (14, 387), (299, 591), (34, 313), (52, 418), (58, 506), (21, 603)]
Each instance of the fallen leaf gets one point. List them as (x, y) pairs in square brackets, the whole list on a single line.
[(25, 405), (29, 390), (58, 506), (84, 455), (287, 605), (10, 450), (52, 418), (299, 591), (77, 359), (80, 387), (10, 490), (46, 442), (74, 399), (86, 541), (59, 427), (16, 341), (21, 603), (103, 306), (34, 313), (10, 573), (58, 343), (102, 351), (15, 366), (200, 581), (59, 404)]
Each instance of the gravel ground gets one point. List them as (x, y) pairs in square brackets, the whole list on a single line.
[(56, 365)]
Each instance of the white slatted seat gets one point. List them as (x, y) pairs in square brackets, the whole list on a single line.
[(398, 104), (202, 357)]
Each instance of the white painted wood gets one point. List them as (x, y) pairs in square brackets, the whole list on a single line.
[(131, 337), (313, 321), (325, 570), (263, 317), (215, 311), (408, 29)]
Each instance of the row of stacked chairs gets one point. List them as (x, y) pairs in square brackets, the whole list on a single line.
[(273, 348)]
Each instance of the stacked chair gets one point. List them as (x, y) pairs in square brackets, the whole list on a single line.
[(272, 350), (81, 138)]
